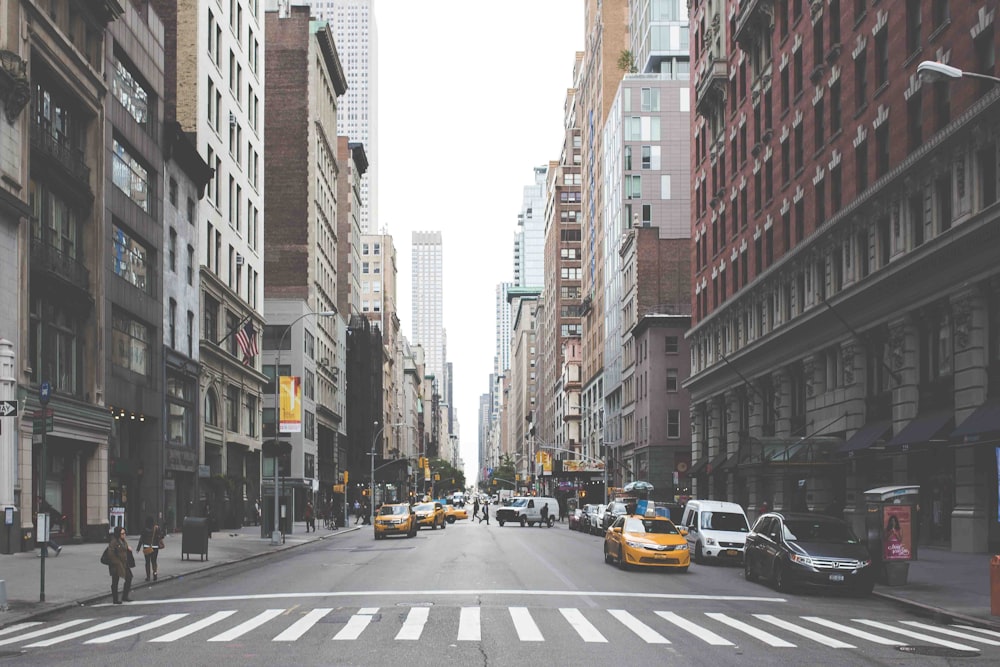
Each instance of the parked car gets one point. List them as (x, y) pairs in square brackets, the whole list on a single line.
[(716, 530), (646, 540), (430, 515), (574, 518), (793, 549), (597, 520), (585, 517), (395, 520), (613, 511)]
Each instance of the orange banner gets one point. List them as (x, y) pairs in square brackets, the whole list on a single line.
[(291, 404)]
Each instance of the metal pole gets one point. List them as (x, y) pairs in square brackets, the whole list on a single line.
[(371, 507), (42, 481), (275, 532)]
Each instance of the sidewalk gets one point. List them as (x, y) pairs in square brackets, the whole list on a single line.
[(76, 576), (947, 584)]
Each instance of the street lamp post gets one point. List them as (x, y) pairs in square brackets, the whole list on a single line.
[(276, 532), (372, 482), (931, 71), (582, 409)]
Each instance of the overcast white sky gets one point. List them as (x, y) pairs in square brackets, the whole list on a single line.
[(471, 98)]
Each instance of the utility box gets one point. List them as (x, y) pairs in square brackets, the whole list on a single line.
[(890, 521), (194, 537), (10, 530)]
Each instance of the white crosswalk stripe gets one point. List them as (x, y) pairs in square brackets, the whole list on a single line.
[(583, 627), (525, 626), (860, 634), (302, 626), (991, 633), (194, 627), (413, 626), (701, 633), (20, 626), (356, 624), (243, 628), (106, 625), (756, 633), (41, 632), (804, 632), (952, 633), (915, 635), (469, 627), (645, 633), (131, 632)]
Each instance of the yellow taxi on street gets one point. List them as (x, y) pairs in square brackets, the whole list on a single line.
[(453, 514), (430, 515), (646, 539), (395, 520)]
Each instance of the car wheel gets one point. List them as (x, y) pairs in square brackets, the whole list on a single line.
[(524, 521), (412, 533), (501, 523), (866, 588), (699, 557), (781, 583), (622, 565), (748, 571), (451, 519), (607, 556), (443, 525), (434, 525), (683, 570)]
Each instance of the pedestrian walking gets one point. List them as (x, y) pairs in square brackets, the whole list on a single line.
[(544, 514), (357, 512), (54, 517), (119, 567), (256, 512), (475, 507), (150, 543), (310, 518), (486, 512)]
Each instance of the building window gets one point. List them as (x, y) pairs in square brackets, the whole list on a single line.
[(210, 331), (130, 259), (912, 26), (915, 120), (882, 149), (172, 324), (179, 413), (132, 94), (861, 80), (190, 265), (942, 191), (882, 57), (211, 408), (233, 408), (672, 344), (130, 344), (54, 346), (130, 176), (673, 423), (671, 379), (190, 334), (861, 167), (172, 251), (308, 425)]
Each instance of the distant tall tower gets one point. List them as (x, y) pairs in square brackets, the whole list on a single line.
[(356, 37), (502, 359), (529, 243), (427, 299)]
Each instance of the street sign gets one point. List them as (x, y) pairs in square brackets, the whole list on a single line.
[(8, 408), (42, 422), (44, 392)]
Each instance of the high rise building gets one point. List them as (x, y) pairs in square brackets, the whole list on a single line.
[(529, 241), (846, 294), (501, 362), (427, 299), (380, 305), (356, 35)]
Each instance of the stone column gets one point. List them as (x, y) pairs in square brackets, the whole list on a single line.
[(732, 438), (716, 424), (904, 354), (8, 426)]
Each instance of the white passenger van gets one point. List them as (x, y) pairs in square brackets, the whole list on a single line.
[(527, 510), (716, 529)]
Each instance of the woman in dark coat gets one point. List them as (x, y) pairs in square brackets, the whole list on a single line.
[(118, 550), (150, 538)]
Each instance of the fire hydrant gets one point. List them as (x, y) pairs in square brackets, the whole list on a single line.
[(995, 586)]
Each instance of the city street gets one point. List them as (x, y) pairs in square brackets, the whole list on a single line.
[(474, 594)]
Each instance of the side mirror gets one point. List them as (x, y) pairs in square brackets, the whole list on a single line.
[(617, 529), (683, 532)]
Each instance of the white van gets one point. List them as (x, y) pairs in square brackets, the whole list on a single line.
[(716, 529), (527, 510)]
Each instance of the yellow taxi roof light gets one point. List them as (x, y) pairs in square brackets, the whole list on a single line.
[(650, 510)]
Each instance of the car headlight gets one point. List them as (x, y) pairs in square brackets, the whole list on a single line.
[(710, 541), (635, 545), (864, 563), (802, 560)]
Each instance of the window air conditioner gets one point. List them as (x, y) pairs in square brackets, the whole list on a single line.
[(239, 259)]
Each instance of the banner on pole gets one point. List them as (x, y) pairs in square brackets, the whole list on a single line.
[(291, 404)]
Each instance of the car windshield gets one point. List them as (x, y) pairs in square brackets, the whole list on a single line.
[(389, 510), (520, 502), (813, 530), (730, 521), (655, 526), (424, 507)]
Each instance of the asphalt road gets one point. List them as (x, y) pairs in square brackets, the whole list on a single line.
[(478, 595)]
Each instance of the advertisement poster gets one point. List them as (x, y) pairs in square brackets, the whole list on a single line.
[(576, 465), (291, 404), (898, 533)]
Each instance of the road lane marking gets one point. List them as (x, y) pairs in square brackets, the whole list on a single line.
[(583, 627), (469, 592), (705, 635), (469, 626), (860, 634), (527, 631), (952, 633), (19, 627), (646, 633), (194, 627), (804, 632), (43, 631), (991, 633), (301, 626), (356, 624), (766, 637), (131, 632), (106, 625), (245, 627), (915, 635), (413, 626)]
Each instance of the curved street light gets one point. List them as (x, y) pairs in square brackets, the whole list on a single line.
[(276, 533), (372, 481), (931, 71)]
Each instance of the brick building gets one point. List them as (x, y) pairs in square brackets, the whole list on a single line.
[(846, 295)]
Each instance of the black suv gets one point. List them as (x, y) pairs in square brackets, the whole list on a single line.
[(615, 510)]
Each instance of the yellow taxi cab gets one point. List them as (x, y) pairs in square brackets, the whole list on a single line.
[(453, 514), (430, 514), (395, 520), (646, 539)]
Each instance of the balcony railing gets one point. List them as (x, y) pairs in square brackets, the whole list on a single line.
[(57, 147), (753, 21), (47, 257), (713, 78)]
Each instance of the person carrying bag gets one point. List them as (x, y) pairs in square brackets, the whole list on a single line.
[(151, 541), (120, 564)]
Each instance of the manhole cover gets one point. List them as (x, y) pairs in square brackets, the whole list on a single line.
[(939, 651)]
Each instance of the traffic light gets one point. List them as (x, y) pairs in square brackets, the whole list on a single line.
[(494, 482)]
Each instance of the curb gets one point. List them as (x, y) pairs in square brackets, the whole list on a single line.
[(940, 612), (63, 606)]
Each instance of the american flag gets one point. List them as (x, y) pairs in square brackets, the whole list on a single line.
[(246, 338)]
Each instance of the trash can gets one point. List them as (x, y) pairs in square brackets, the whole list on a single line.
[(10, 530), (194, 537), (889, 524)]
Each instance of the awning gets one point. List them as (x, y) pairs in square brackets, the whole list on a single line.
[(729, 463), (986, 419), (866, 436), (923, 429), (697, 466), (714, 465)]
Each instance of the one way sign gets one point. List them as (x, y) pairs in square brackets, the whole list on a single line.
[(8, 408)]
